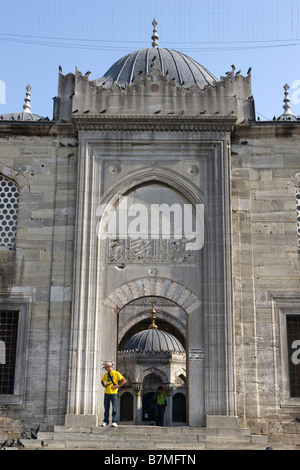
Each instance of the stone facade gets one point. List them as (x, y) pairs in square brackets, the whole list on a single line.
[(265, 162), (36, 277), (75, 293)]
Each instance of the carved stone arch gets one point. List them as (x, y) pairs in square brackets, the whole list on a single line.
[(18, 178), (152, 286), (152, 371)]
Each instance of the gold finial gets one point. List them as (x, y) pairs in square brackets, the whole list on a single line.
[(154, 36), (153, 326)]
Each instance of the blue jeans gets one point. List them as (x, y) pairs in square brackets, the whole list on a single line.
[(111, 399), (160, 412)]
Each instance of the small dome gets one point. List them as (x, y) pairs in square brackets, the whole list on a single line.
[(178, 66), (21, 117), (287, 115), (153, 340), (25, 115)]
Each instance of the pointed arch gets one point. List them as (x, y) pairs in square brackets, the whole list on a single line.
[(156, 175), (18, 178), (294, 183)]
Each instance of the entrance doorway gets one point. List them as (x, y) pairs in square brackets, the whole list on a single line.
[(152, 352), (148, 413)]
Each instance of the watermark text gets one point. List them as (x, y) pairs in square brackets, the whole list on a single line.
[(2, 352), (2, 92), (153, 221)]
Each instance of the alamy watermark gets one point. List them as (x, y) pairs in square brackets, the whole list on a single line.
[(153, 221), (296, 94), (2, 352), (296, 354), (2, 92)]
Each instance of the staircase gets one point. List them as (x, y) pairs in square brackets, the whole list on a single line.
[(145, 438)]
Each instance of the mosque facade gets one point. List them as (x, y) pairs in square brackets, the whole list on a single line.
[(83, 265)]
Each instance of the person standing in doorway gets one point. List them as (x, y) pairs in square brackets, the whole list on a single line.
[(161, 403), (111, 381)]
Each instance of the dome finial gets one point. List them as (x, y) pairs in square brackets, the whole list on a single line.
[(153, 326), (27, 100), (154, 36), (286, 100), (287, 115)]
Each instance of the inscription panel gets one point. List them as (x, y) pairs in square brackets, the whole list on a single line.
[(150, 251)]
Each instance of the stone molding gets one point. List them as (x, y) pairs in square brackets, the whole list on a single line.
[(142, 123)]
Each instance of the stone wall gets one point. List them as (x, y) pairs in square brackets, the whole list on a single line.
[(38, 273), (265, 267)]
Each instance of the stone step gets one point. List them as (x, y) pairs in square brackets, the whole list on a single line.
[(146, 431), (143, 445), (146, 438)]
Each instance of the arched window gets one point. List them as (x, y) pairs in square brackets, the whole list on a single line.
[(9, 205), (126, 407)]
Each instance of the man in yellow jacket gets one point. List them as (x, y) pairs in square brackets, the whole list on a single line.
[(111, 381)]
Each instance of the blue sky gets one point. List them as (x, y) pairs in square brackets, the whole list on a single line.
[(36, 36)]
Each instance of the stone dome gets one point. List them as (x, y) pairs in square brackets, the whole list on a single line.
[(178, 66), (153, 340)]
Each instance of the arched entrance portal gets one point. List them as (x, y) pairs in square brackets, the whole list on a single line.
[(152, 352), (181, 312), (110, 274)]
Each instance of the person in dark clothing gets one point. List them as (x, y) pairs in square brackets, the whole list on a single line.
[(161, 403)]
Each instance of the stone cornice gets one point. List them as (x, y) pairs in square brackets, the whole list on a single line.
[(267, 129), (154, 123), (41, 129)]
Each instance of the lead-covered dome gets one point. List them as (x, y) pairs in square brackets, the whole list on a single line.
[(21, 117), (153, 340), (178, 66), (26, 114)]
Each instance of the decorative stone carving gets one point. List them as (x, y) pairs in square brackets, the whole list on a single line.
[(152, 272), (155, 123), (115, 169), (193, 170), (150, 251), (133, 290)]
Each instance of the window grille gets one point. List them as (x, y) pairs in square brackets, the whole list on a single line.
[(293, 344), (8, 340), (9, 205), (298, 215)]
